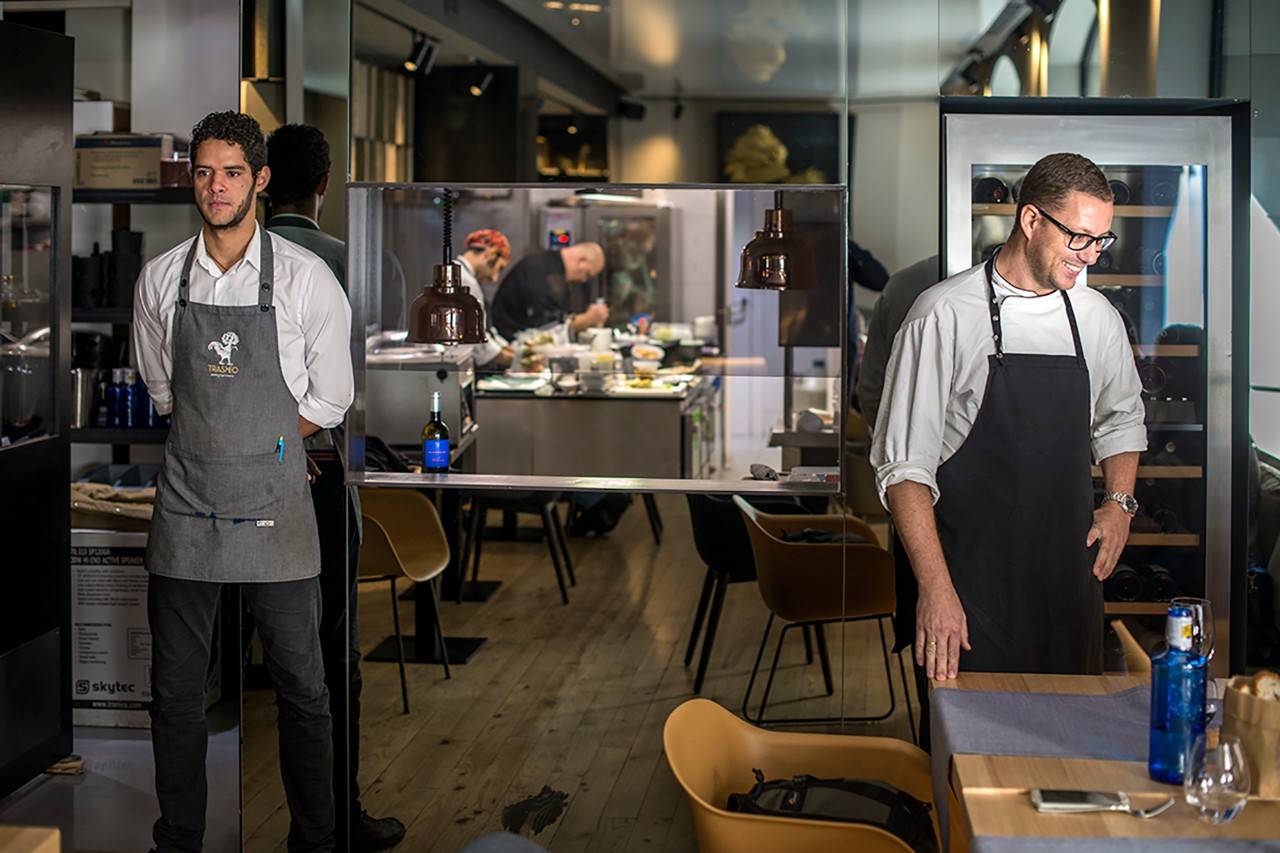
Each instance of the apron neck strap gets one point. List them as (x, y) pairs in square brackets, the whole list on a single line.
[(993, 306), (185, 280), (266, 271)]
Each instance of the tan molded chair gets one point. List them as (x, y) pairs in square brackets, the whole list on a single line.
[(403, 536), (813, 584), (1136, 659), (712, 754)]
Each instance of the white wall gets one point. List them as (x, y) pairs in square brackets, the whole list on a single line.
[(103, 48)]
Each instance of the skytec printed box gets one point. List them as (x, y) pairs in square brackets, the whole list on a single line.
[(110, 635), (122, 161)]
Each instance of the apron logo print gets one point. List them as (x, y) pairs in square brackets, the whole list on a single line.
[(230, 341)]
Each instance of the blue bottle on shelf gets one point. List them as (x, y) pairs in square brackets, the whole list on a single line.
[(1177, 699), (128, 399), (143, 413), (114, 392)]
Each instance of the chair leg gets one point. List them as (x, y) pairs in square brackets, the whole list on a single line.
[(709, 639), (820, 634), (906, 697), (563, 542), (773, 670), (708, 584), (808, 644), (755, 668), (655, 520), (548, 527), (395, 619), (435, 617)]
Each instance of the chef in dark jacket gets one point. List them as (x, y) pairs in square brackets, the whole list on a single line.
[(536, 290), (1006, 382)]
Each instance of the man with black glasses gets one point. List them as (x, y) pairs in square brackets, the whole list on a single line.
[(1005, 384)]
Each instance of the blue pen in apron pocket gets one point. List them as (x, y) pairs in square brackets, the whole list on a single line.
[(280, 449)]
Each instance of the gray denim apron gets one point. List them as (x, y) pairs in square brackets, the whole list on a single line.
[(232, 503)]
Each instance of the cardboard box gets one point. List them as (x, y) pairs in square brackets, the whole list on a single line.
[(122, 161), (99, 117), (110, 635)]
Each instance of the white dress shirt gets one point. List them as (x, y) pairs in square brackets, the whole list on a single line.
[(937, 372), (486, 352), (313, 320)]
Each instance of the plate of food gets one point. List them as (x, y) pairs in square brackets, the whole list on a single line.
[(647, 352)]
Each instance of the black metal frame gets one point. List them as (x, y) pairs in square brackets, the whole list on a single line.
[(395, 620), (824, 658), (552, 530)]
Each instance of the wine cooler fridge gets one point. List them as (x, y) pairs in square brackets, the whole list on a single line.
[(1178, 276)]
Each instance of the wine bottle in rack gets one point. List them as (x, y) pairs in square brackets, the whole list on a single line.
[(988, 189), (1125, 584), (1120, 193), (1160, 584)]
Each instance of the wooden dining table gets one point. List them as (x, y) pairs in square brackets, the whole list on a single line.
[(989, 794)]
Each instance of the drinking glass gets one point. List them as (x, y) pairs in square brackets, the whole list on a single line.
[(1201, 625), (1216, 782)]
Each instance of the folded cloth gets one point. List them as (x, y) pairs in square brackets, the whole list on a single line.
[(1114, 726), (990, 844), (101, 506)]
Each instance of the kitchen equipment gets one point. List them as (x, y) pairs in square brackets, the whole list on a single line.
[(25, 408), (83, 381)]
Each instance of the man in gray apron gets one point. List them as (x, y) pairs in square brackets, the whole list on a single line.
[(245, 338), (1005, 383)]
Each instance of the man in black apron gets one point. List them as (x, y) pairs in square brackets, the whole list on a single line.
[(245, 338), (1005, 383)]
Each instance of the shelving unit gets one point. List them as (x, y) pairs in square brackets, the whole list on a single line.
[(94, 435), (1163, 472), (161, 195), (1122, 211), (115, 316), (1124, 280), (1164, 540), (1135, 608)]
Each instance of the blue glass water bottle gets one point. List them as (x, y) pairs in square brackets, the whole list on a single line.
[(1177, 699)]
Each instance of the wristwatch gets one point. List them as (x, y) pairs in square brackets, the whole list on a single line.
[(1128, 503)]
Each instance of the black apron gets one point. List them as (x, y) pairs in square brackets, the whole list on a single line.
[(1015, 509)]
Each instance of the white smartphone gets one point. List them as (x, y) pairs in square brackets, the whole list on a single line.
[(1061, 801)]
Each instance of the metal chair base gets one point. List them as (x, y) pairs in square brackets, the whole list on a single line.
[(824, 659)]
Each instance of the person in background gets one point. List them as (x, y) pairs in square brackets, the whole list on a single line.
[(984, 441), (536, 290), (487, 253), (896, 299), (245, 338), (298, 157)]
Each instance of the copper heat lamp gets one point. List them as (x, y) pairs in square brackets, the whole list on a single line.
[(776, 258), (445, 312)]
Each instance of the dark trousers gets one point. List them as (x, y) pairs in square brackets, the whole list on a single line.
[(183, 614), (339, 636)]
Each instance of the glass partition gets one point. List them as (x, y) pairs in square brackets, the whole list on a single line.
[(27, 232), (684, 381)]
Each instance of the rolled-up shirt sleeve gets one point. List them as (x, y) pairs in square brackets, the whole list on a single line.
[(909, 427), (1118, 411), (326, 332), (151, 341)]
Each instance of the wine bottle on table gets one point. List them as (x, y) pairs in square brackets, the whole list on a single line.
[(435, 441)]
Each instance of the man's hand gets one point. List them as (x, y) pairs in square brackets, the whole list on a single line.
[(306, 428), (941, 631), (505, 356), (595, 315), (1111, 528)]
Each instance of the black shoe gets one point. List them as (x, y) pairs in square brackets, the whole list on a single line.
[(375, 833)]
